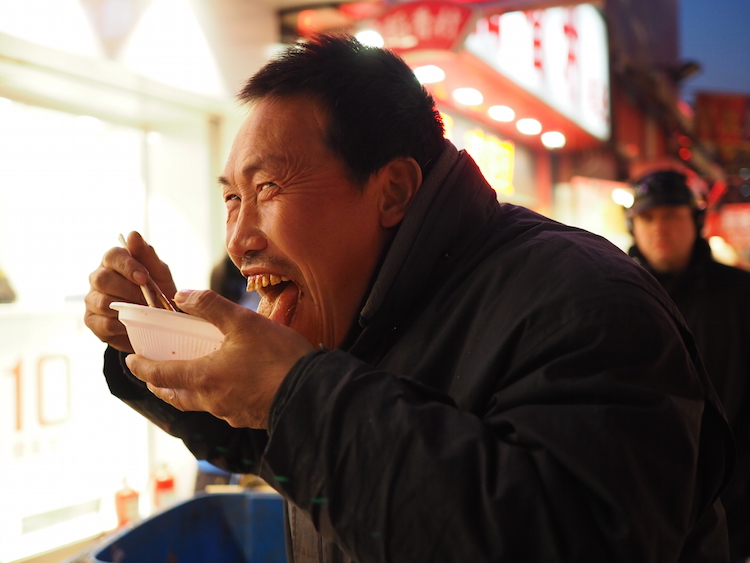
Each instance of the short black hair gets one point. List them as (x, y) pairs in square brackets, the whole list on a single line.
[(377, 108)]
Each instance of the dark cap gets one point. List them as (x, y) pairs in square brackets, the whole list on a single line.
[(665, 187)]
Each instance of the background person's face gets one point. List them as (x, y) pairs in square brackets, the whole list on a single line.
[(293, 214), (665, 236)]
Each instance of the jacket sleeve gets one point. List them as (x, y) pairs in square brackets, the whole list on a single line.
[(590, 448), (238, 450)]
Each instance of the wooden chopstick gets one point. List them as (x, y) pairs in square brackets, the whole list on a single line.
[(151, 289)]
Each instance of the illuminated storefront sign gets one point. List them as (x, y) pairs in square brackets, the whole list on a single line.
[(425, 25), (495, 158), (559, 55), (735, 224), (722, 123)]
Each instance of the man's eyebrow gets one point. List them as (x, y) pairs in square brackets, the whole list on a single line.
[(254, 167)]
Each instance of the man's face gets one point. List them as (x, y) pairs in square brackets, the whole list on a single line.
[(296, 222), (665, 236)]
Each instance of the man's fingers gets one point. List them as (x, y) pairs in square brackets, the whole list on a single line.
[(210, 306), (108, 330), (104, 327), (124, 263), (164, 379), (103, 321), (118, 279), (168, 375), (121, 343), (146, 255)]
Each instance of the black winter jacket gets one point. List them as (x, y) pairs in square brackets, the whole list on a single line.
[(714, 299), (515, 390)]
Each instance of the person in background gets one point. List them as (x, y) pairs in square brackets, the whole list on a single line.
[(666, 221), (431, 376)]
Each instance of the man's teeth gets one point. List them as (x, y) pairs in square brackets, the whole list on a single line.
[(254, 283)]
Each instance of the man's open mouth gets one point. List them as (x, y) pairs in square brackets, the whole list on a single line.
[(260, 281), (278, 296)]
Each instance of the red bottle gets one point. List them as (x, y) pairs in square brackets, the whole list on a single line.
[(126, 505), (164, 488)]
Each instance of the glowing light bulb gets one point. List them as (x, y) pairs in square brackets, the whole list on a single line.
[(370, 38), (623, 197), (553, 139), (502, 113), (529, 126), (429, 74), (468, 96)]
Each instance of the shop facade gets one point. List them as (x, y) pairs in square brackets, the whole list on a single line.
[(722, 125), (585, 96), (527, 88), (105, 127), (517, 89)]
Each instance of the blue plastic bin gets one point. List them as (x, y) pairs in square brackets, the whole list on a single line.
[(244, 527)]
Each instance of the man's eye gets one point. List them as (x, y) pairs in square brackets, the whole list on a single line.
[(230, 197), (267, 190)]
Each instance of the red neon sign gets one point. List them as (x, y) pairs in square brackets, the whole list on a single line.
[(425, 25)]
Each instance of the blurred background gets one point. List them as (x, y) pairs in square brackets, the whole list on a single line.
[(116, 115)]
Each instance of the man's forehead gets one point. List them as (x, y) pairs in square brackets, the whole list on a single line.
[(274, 128), (278, 135), (272, 109)]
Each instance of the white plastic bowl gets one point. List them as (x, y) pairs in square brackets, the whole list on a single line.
[(159, 334)]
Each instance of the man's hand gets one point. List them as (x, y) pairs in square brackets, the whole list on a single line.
[(118, 279), (236, 383)]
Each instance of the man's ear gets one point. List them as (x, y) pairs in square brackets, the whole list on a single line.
[(401, 180)]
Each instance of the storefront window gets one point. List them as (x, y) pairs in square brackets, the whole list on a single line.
[(68, 185), (113, 118)]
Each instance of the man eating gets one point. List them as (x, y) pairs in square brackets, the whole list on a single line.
[(432, 375)]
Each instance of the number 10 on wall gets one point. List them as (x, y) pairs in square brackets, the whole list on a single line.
[(51, 385)]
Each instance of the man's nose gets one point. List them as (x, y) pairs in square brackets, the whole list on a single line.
[(245, 236)]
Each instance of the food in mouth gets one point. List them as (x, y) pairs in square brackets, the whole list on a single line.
[(279, 296)]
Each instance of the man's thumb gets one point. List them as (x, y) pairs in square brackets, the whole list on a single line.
[(207, 305)]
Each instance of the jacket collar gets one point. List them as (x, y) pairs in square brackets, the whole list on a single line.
[(450, 209), (408, 232)]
